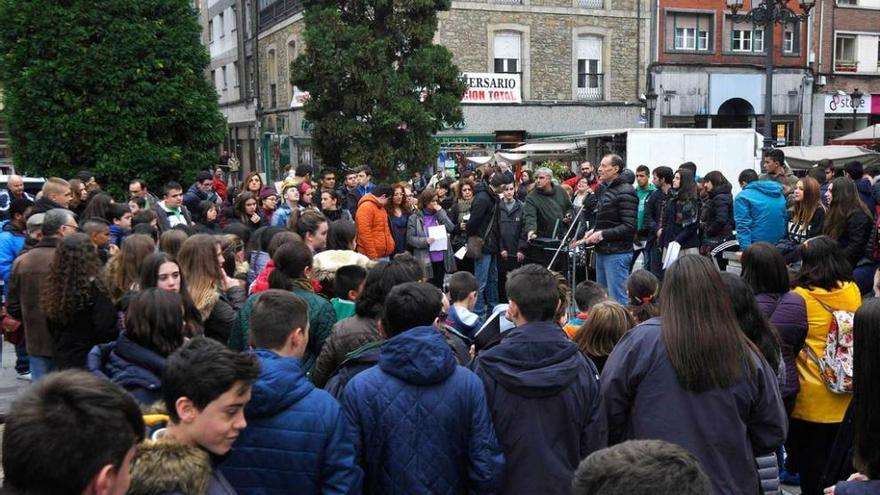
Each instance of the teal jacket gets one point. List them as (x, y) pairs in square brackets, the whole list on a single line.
[(760, 214)]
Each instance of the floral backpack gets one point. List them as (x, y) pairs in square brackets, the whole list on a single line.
[(836, 363)]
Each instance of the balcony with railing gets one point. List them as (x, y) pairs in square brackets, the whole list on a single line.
[(591, 4), (273, 12), (846, 66), (590, 86)]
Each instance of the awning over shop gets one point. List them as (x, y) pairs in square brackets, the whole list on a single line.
[(546, 147), (865, 137), (511, 157), (479, 160), (804, 157)]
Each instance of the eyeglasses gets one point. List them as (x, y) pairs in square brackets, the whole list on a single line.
[(74, 227)]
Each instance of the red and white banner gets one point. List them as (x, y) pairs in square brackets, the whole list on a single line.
[(490, 88)]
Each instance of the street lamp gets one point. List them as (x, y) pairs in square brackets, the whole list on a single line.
[(856, 99), (651, 105), (767, 14)]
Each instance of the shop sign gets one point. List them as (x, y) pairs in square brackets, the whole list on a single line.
[(844, 104), (490, 88), (875, 104)]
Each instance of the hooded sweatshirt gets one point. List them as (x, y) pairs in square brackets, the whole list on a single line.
[(759, 213), (421, 424), (296, 436), (546, 406)]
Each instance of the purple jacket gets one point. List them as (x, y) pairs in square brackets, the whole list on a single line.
[(788, 313)]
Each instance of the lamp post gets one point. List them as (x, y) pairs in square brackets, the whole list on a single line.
[(650, 106), (767, 14), (856, 97)]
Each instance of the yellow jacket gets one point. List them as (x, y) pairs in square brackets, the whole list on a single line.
[(815, 403)]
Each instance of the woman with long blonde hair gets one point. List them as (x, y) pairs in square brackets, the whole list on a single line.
[(217, 296)]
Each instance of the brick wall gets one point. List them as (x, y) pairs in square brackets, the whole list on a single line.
[(828, 18)]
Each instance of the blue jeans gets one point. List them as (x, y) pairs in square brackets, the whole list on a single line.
[(40, 367), (612, 271), (486, 272), (22, 364)]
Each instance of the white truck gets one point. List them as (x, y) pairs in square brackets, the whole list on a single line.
[(729, 151)]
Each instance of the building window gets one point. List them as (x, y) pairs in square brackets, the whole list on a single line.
[(845, 53), (210, 31), (236, 73), (273, 95), (508, 52), (233, 19), (272, 77), (214, 79), (690, 32), (225, 80), (220, 26), (742, 41), (591, 4), (589, 68)]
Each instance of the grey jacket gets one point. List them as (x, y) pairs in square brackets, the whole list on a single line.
[(417, 239)]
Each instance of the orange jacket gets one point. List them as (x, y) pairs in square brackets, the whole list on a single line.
[(373, 230)]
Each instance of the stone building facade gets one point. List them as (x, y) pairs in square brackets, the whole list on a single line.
[(581, 65)]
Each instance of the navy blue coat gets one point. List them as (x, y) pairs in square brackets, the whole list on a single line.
[(546, 405), (356, 361), (857, 488), (131, 366), (421, 423), (724, 428), (296, 440)]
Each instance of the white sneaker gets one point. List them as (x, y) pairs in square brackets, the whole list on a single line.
[(25, 376)]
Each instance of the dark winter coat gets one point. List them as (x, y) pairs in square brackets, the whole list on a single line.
[(95, 324), (718, 214), (653, 217), (723, 428), (484, 218), (421, 424), (346, 336), (788, 313), (131, 366), (43, 205), (866, 192), (854, 238), (546, 405), (616, 216), (871, 487), (296, 437), (681, 222), (543, 209), (219, 323), (162, 217), (510, 224)]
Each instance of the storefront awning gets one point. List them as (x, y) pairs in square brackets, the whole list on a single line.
[(868, 136), (548, 147), (479, 160), (804, 157)]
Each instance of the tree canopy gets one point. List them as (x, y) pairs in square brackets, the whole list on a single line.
[(379, 86), (113, 86)]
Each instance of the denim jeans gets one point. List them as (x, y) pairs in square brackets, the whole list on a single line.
[(22, 363), (612, 271), (40, 367), (486, 272)]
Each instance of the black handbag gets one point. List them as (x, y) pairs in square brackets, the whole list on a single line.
[(475, 243)]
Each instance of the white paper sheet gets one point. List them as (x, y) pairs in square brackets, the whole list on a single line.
[(438, 233), (461, 252), (671, 254)]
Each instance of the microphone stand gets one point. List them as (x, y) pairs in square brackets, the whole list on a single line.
[(572, 260)]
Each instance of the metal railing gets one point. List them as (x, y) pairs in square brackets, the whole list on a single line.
[(590, 86), (591, 4), (277, 11)]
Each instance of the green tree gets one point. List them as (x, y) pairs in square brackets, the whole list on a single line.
[(113, 86), (379, 86)]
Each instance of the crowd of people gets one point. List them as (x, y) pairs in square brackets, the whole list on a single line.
[(399, 337)]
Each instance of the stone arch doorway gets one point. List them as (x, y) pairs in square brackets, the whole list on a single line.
[(735, 113)]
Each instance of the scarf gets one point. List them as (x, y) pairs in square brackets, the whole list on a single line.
[(304, 284)]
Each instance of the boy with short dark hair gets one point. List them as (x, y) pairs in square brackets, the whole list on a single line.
[(205, 387), (586, 294), (119, 216), (641, 467), (72, 433), (296, 431), (348, 284), (463, 297), (543, 393)]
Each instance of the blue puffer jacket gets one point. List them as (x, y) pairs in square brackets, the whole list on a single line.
[(857, 488), (131, 366), (11, 242), (759, 213), (421, 423), (296, 439)]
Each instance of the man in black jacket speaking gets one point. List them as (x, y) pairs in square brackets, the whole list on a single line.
[(615, 228)]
